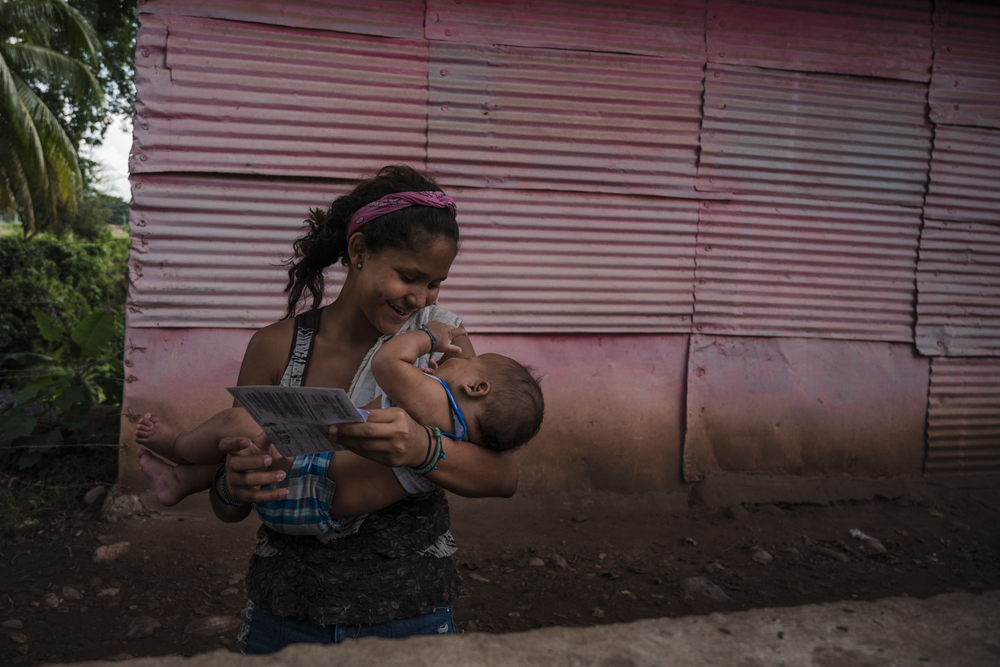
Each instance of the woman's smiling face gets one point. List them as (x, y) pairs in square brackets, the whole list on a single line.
[(393, 284)]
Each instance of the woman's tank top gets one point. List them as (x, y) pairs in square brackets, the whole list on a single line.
[(396, 565)]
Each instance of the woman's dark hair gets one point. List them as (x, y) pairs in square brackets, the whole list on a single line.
[(325, 241)]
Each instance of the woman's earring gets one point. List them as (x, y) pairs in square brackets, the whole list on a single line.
[(359, 266)]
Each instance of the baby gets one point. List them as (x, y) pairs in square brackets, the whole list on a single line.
[(489, 400)]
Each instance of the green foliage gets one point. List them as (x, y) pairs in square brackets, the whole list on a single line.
[(89, 220), (63, 281), (54, 405), (45, 45)]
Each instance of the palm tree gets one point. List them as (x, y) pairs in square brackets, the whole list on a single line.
[(42, 43)]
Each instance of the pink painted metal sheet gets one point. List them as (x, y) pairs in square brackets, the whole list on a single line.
[(207, 251), (219, 96), (593, 385), (804, 406), (821, 136), (181, 376), (963, 416), (511, 117), (768, 266), (965, 84), (675, 28), (958, 289), (536, 261), (965, 175), (889, 39), (388, 18)]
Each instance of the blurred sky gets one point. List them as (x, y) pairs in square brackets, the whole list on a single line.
[(113, 155)]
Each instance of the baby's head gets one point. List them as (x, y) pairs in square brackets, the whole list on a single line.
[(501, 399)]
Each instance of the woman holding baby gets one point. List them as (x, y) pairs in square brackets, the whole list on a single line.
[(391, 575)]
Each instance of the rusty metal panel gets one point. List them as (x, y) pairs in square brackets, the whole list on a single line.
[(823, 136), (958, 289), (674, 29), (804, 268), (572, 262), (965, 84), (965, 175), (963, 416), (889, 39), (219, 96), (547, 119), (207, 251), (804, 406), (388, 18)]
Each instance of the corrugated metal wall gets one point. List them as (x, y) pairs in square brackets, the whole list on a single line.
[(821, 173)]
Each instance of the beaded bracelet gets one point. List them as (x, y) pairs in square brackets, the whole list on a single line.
[(224, 496), (434, 340), (437, 456)]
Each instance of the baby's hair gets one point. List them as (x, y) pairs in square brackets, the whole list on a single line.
[(325, 241), (514, 407)]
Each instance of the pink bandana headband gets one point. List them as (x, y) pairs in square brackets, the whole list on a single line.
[(395, 202)]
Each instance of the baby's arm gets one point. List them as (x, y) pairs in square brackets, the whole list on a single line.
[(409, 387), (200, 445)]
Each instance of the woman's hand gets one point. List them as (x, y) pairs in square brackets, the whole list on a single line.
[(392, 438), (246, 470), (389, 437)]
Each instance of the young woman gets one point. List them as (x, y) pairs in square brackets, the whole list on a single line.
[(392, 576)]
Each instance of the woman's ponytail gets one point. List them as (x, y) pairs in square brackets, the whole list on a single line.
[(323, 244)]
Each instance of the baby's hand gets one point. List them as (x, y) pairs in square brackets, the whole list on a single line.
[(445, 334)]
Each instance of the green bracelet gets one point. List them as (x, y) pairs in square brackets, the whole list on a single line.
[(438, 454), (224, 496)]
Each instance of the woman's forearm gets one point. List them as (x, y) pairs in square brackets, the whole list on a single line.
[(474, 472)]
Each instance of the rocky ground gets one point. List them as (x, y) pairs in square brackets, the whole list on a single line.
[(74, 587)]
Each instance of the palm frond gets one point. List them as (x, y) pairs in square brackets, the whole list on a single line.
[(36, 19), (46, 63)]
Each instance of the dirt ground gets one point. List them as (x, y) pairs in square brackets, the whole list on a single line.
[(529, 562)]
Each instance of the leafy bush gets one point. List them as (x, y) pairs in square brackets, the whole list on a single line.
[(54, 406), (62, 279)]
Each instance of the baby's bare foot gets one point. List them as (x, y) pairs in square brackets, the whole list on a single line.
[(162, 477), (157, 435)]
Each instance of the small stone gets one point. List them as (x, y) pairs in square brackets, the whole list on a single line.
[(762, 557), (471, 627), (107, 539), (108, 592), (597, 613), (478, 577), (834, 555), (212, 625), (111, 552), (19, 638), (117, 507), (735, 513), (536, 562), (228, 591), (601, 556), (559, 561), (51, 600), (95, 495), (96, 582), (62, 609), (506, 558), (701, 586), (141, 626), (70, 593), (12, 624)]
